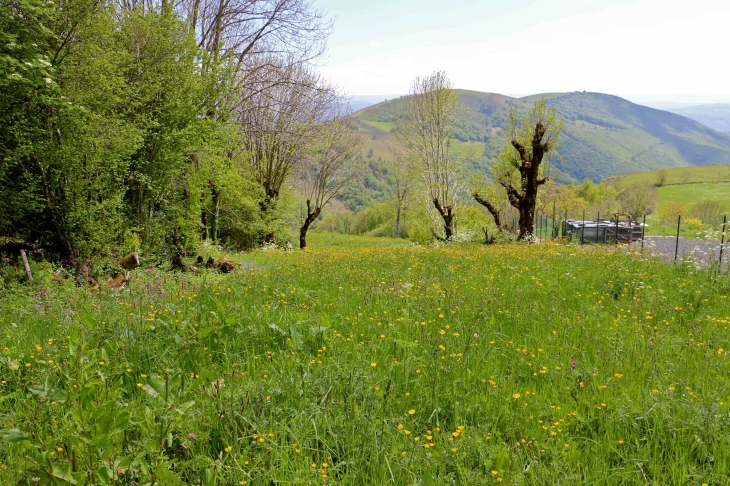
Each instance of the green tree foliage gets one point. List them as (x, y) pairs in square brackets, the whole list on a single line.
[(118, 121), (67, 138)]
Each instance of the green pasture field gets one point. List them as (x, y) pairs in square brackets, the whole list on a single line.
[(689, 194), (689, 185), (692, 193), (385, 127), (472, 150), (471, 365), (325, 239), (679, 175)]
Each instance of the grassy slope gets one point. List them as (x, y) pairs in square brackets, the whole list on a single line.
[(623, 137), (374, 366), (689, 185), (377, 131), (323, 239), (692, 193), (709, 173)]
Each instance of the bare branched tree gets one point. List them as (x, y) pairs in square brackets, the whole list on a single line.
[(242, 28), (424, 131), (280, 123), (254, 36), (330, 167)]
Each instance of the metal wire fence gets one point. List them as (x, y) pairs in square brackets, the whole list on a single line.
[(709, 250)]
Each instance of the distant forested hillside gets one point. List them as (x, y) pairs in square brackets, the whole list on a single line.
[(603, 135), (715, 116)]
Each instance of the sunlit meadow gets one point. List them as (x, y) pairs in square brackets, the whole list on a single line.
[(517, 364)]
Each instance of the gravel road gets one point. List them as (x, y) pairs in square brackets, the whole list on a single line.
[(706, 251)]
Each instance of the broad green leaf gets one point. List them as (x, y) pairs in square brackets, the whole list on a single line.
[(168, 478), (63, 472), (204, 333), (13, 435), (185, 406), (276, 328), (317, 330), (296, 336), (159, 385)]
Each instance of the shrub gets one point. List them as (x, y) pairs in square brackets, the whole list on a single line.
[(708, 211), (693, 223), (639, 200), (669, 213), (420, 235)]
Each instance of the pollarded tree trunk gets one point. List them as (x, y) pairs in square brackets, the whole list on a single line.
[(492, 209), (526, 201), (312, 215), (447, 214)]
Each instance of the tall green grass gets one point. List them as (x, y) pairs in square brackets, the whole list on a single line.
[(517, 364)]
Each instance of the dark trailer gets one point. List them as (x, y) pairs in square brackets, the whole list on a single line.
[(615, 230)]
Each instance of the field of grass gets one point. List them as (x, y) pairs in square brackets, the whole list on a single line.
[(515, 364), (384, 127), (690, 194), (679, 175), (689, 185), (324, 239)]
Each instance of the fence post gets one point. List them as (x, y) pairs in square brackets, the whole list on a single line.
[(676, 247), (583, 229), (542, 227), (553, 219), (615, 236), (643, 228), (722, 240)]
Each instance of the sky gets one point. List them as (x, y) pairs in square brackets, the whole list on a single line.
[(658, 50)]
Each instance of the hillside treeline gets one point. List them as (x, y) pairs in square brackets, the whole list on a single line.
[(158, 125)]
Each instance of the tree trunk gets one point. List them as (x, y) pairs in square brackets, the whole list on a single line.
[(312, 215), (447, 214), (397, 222), (526, 201), (215, 193), (492, 209), (204, 217), (530, 185), (449, 225), (267, 205)]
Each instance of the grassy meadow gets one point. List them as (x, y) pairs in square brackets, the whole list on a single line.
[(515, 364), (688, 185), (679, 175)]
